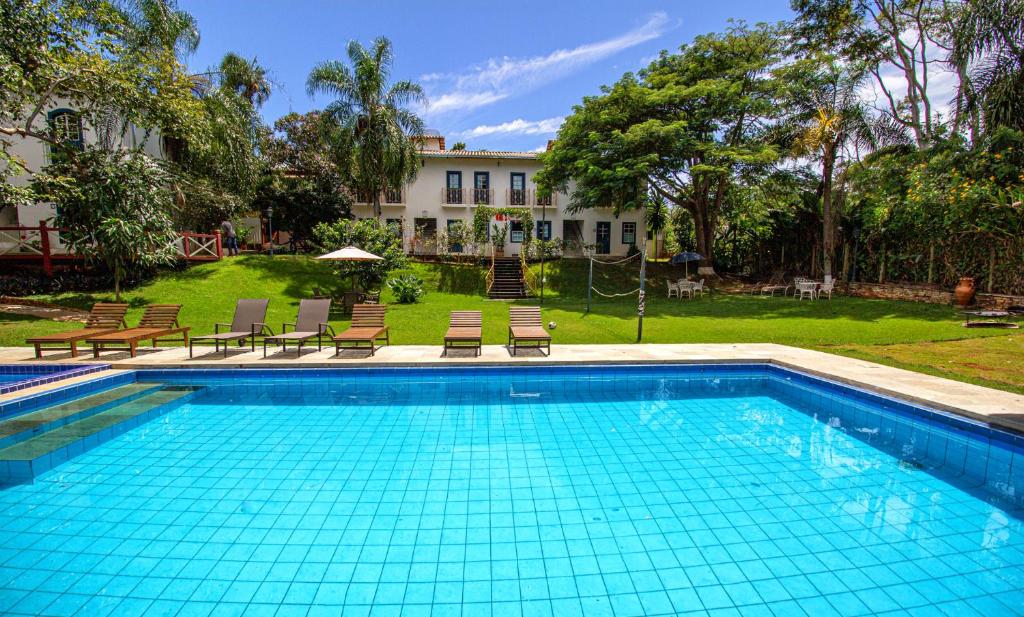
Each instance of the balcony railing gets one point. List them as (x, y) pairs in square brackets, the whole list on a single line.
[(527, 197), (470, 197), (453, 197), (392, 197)]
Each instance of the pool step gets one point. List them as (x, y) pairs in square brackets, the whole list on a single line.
[(27, 459), (25, 426)]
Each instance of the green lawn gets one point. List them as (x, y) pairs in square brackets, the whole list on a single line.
[(851, 326)]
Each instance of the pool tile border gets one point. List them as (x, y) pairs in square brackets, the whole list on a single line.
[(67, 371)]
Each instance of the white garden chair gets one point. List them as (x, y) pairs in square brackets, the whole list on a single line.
[(685, 287), (805, 289), (697, 287), (673, 288), (827, 287)]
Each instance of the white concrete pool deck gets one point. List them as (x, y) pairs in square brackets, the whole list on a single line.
[(995, 407)]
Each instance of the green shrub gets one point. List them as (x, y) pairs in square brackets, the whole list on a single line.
[(407, 289)]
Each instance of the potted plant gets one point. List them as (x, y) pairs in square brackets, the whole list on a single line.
[(500, 232)]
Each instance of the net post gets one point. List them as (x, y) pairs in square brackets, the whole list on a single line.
[(642, 299), (590, 281)]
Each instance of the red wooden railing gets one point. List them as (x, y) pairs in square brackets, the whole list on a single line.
[(36, 243)]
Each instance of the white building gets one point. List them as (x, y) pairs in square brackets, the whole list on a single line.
[(64, 119), (451, 182)]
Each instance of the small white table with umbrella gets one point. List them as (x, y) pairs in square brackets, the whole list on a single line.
[(350, 253)]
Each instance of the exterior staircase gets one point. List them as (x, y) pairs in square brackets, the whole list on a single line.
[(508, 280), (34, 442)]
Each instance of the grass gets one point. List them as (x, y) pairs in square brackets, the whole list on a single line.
[(919, 336)]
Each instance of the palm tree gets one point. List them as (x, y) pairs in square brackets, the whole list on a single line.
[(246, 78), (831, 118), (380, 131), (658, 217), (159, 24), (988, 52)]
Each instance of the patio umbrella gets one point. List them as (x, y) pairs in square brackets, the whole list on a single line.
[(351, 253), (685, 259)]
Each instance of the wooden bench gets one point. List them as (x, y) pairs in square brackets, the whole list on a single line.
[(465, 331), (367, 327), (159, 321), (525, 325), (103, 318)]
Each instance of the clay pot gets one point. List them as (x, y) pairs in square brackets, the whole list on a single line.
[(964, 292)]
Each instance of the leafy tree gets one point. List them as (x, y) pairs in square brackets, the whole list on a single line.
[(459, 145), (307, 186), (379, 131), (688, 127), (89, 51), (368, 235), (114, 207)]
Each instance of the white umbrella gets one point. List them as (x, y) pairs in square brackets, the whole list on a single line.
[(351, 253)]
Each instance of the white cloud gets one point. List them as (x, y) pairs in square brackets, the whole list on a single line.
[(516, 127), (500, 78)]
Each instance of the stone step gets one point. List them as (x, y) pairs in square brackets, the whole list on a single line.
[(25, 460), (27, 425)]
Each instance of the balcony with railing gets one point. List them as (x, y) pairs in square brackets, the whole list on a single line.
[(388, 197), (467, 197), (528, 198)]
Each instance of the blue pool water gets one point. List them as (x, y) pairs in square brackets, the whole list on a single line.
[(633, 491)]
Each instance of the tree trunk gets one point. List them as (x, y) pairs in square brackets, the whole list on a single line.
[(117, 283), (376, 205), (704, 231), (827, 239)]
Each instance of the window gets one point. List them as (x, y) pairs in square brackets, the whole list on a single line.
[(543, 230), (629, 233), (453, 188), (515, 232), (454, 227), (517, 190), (481, 187), (395, 225), (66, 127)]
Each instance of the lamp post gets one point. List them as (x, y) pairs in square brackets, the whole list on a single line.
[(269, 213)]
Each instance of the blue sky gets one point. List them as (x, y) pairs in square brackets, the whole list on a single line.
[(498, 75)]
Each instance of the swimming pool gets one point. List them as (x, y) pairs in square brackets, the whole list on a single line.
[(518, 491), (14, 377)]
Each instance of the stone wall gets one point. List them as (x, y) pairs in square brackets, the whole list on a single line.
[(924, 293)]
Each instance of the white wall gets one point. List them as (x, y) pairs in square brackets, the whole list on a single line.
[(425, 196)]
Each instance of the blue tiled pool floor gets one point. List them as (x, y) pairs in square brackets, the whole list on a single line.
[(714, 506)]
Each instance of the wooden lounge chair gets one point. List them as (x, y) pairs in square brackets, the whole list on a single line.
[(246, 324), (465, 331), (525, 325), (367, 327), (311, 321), (159, 321), (103, 318)]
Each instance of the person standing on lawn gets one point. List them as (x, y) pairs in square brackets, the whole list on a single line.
[(227, 231)]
